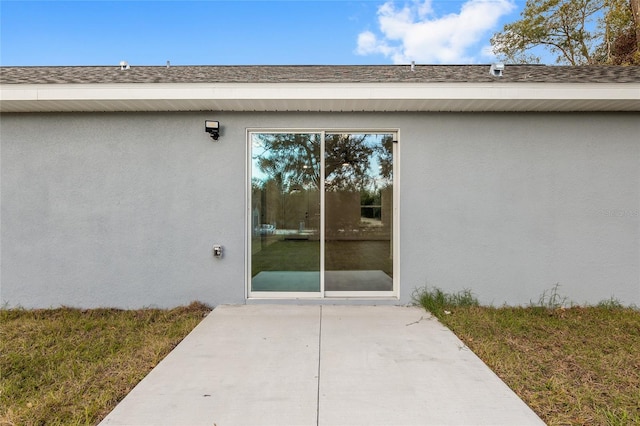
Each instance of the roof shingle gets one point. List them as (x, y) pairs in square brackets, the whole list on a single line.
[(317, 73)]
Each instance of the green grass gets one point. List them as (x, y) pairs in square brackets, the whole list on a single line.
[(440, 303), (69, 366), (285, 255), (572, 366), (304, 255)]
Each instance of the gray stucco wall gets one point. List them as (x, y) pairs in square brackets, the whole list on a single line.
[(123, 209), (515, 204)]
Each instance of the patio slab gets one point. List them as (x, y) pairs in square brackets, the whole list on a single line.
[(321, 365)]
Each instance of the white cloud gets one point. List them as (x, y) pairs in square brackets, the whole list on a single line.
[(414, 33), (369, 44)]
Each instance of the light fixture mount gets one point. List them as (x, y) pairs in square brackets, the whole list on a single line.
[(213, 128)]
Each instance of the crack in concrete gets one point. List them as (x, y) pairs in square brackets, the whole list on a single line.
[(416, 322)]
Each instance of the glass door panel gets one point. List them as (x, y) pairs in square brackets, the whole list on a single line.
[(358, 211), (285, 212)]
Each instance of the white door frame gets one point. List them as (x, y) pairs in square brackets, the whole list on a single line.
[(322, 294)]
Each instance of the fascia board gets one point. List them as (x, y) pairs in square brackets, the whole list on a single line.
[(11, 95)]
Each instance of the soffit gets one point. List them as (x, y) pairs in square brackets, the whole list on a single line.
[(323, 97)]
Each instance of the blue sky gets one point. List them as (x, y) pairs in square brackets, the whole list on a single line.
[(244, 32)]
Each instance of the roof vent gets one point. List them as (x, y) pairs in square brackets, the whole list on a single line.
[(168, 64), (413, 66), (496, 69), (124, 65)]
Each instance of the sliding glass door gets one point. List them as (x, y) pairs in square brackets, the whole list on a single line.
[(358, 211), (285, 212), (321, 214)]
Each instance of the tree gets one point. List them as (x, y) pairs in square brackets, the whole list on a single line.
[(292, 160), (578, 32), (287, 175), (289, 159), (347, 162), (635, 17), (622, 33)]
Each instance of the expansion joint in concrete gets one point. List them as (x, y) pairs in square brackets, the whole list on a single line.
[(319, 361)]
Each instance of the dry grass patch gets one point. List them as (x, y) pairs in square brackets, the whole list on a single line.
[(572, 366), (70, 366)]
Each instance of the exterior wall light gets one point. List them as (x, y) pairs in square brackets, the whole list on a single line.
[(213, 128)]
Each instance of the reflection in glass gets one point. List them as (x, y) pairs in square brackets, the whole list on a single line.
[(285, 212), (358, 212)]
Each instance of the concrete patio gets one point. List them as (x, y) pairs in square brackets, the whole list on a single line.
[(321, 365)]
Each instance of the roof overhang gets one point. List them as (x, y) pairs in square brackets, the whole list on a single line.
[(329, 97)]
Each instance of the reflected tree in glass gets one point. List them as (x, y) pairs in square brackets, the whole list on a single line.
[(285, 203), (291, 160), (358, 211)]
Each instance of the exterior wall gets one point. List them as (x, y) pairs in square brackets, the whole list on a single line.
[(122, 210), (515, 204)]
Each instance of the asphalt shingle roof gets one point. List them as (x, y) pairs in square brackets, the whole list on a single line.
[(317, 74)]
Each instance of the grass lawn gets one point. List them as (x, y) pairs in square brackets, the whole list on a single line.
[(69, 366), (304, 255), (572, 366)]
